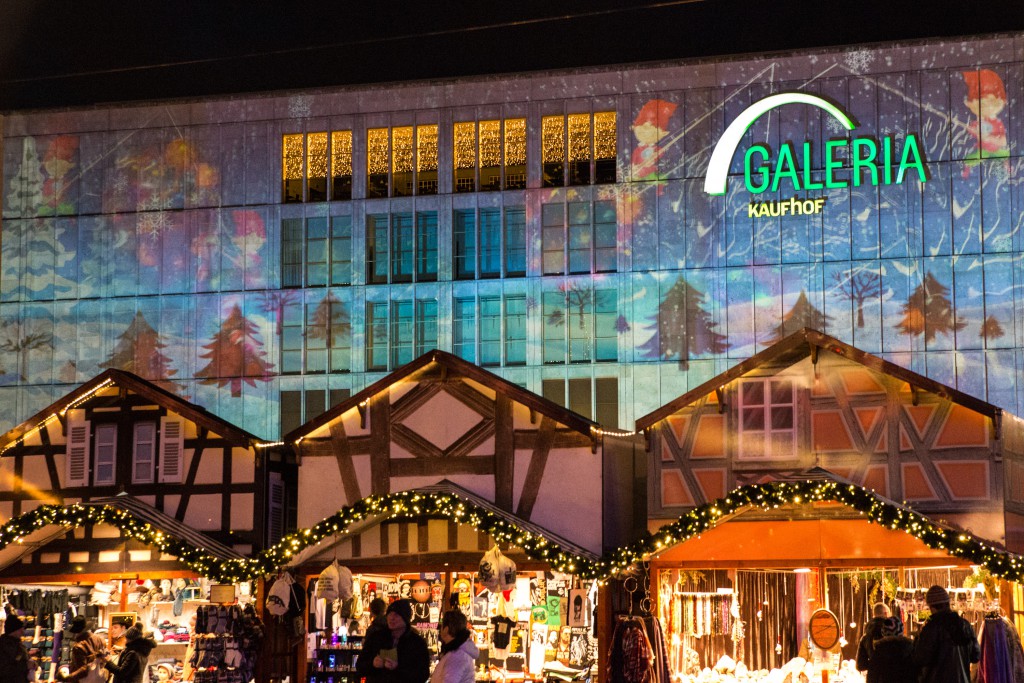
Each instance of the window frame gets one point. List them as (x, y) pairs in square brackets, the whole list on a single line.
[(335, 186), (557, 137), (137, 443), (765, 435), (106, 450)]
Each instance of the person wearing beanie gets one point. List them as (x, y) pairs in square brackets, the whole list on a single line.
[(14, 659), (946, 646), (872, 632), (85, 651), (892, 655), (396, 654), (131, 665), (377, 620)]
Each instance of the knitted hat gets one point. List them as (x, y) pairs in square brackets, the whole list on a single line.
[(403, 609), (134, 632), (13, 623), (78, 624), (937, 595), (984, 82), (892, 627)]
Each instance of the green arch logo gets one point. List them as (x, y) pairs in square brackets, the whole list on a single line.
[(721, 157)]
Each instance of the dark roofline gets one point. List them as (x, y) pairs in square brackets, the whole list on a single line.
[(801, 344), (463, 367), (144, 388)]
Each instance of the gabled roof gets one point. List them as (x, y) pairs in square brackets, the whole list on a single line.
[(143, 388), (808, 343), (459, 367)]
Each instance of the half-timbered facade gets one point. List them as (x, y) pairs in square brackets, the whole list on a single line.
[(120, 440), (811, 401), (442, 418)]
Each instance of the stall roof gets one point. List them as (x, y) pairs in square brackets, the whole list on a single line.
[(808, 343), (462, 368), (142, 387), (446, 487)]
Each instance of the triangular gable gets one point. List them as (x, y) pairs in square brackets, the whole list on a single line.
[(110, 381), (809, 343), (451, 366)]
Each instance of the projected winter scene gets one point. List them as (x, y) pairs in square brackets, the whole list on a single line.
[(159, 248)]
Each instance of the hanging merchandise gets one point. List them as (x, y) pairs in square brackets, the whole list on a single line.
[(334, 583), (496, 572), (279, 595)]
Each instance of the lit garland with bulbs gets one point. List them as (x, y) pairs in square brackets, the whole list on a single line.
[(773, 495), (999, 563)]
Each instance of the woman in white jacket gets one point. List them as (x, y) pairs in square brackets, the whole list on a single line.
[(458, 652)]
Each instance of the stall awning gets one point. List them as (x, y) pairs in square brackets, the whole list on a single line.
[(14, 552), (803, 543)]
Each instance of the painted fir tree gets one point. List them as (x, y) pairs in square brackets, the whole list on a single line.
[(991, 329), (683, 329), (236, 355), (26, 194), (330, 321), (929, 311), (138, 351), (803, 314)]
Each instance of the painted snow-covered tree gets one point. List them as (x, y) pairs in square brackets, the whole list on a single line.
[(802, 314), (991, 329), (330, 321), (929, 311), (857, 286), (682, 328), (21, 337), (138, 352), (236, 355)]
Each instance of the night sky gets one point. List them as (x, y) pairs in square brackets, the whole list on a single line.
[(70, 53)]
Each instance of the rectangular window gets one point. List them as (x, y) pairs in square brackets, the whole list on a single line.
[(317, 252), (291, 252), (605, 238), (341, 250), (377, 248), (299, 407), (464, 229), (767, 409), (327, 336), (515, 154), (291, 338), (426, 326), (464, 156), (478, 243), (143, 452), (589, 232), (606, 336), (426, 246), (490, 330), (293, 167), (402, 247), (595, 399), (401, 161), (580, 325), (464, 329), (553, 310), (316, 166), (315, 255), (105, 454), (515, 242), (581, 397), (490, 243), (489, 155), (515, 330), (606, 401), (553, 238), (554, 391), (402, 333), (341, 164), (579, 237), (402, 250), (376, 336), (578, 149)]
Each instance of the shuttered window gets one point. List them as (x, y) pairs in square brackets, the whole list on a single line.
[(172, 450), (77, 454)]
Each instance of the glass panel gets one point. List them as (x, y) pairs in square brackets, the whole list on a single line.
[(580, 396), (316, 165), (753, 393), (316, 403), (782, 391), (426, 159), (579, 149), (464, 155), (341, 250), (377, 336), (606, 344), (580, 323), (401, 247), (292, 167), (553, 310), (465, 244), (580, 242), (426, 326), (554, 391), (753, 419), (318, 329), (605, 254), (782, 417), (377, 162), (341, 164), (515, 242), (515, 330), (606, 398), (490, 155), (605, 144), (316, 252), (401, 161), (490, 330), (426, 246), (377, 248), (464, 330), (553, 238), (291, 411), (490, 243), (515, 154), (291, 252), (106, 447), (144, 451), (552, 131), (291, 338), (401, 333)]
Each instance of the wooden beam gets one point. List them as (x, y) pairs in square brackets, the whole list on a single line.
[(504, 452), (346, 468), (380, 444), (535, 471)]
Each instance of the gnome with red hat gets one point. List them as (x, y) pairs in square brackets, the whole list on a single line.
[(650, 127), (986, 98)]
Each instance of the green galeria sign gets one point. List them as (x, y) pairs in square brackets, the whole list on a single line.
[(846, 162)]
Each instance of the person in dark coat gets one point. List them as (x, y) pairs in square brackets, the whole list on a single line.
[(132, 663), (395, 655), (892, 655), (872, 632), (946, 646), (377, 620), (14, 660)]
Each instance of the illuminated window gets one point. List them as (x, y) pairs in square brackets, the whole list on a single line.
[(399, 331), (578, 237), (399, 249), (595, 399), (579, 325), (316, 166), (316, 251), (767, 418), (489, 155), (483, 243), (578, 149), (490, 330), (401, 161)]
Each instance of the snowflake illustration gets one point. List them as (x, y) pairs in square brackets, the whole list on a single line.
[(298, 106), (858, 61), (835, 126), (151, 225)]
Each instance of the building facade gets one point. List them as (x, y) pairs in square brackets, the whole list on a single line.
[(268, 256)]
